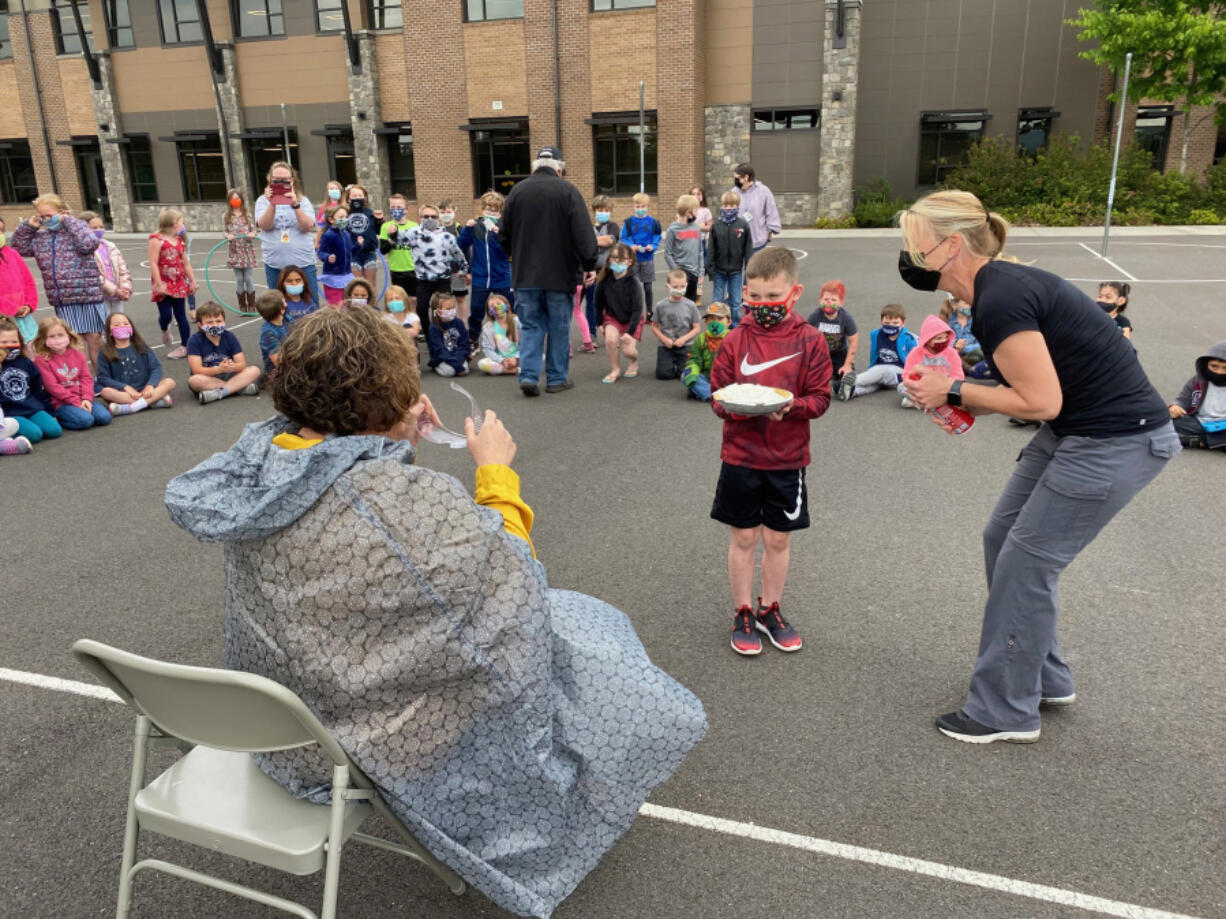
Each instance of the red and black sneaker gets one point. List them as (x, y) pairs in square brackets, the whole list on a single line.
[(782, 635), (745, 639)]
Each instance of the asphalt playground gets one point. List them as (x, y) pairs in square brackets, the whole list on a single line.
[(822, 788)]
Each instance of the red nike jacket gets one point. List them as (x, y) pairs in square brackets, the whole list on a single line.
[(793, 356)]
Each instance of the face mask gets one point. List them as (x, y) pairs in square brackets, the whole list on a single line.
[(360, 301), (236, 202), (691, 218), (890, 330), (429, 224), (925, 279), (334, 194), (640, 212), (358, 202), (738, 182), (59, 347), (342, 223), (964, 311), (497, 312), (933, 348), (121, 332), (769, 313), (717, 327), (602, 216), (1105, 306), (446, 315), (10, 351), (294, 290), (214, 330), (1217, 379), (397, 213), (448, 217), (100, 233), (52, 222), (3, 239), (676, 292), (182, 231), (396, 306), (618, 267), (492, 218), (830, 310), (728, 214)]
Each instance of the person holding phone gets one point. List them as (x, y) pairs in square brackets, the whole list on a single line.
[(286, 221)]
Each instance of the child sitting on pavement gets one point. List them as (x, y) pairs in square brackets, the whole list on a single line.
[(889, 346), (697, 373), (1113, 300), (1199, 411), (448, 336), (215, 358), (500, 336), (936, 349), (958, 314), (675, 323)]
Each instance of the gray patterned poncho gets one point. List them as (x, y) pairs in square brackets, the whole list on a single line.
[(514, 729)]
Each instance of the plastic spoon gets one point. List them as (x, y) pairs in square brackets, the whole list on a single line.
[(437, 434)]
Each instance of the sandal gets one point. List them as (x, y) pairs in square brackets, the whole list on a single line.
[(177, 354), (631, 374), (611, 377)]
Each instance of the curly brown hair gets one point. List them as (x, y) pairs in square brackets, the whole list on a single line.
[(347, 372)]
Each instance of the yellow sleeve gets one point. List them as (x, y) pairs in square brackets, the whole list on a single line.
[(498, 487)]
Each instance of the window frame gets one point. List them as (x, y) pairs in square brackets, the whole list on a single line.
[(8, 188), (786, 111), (392, 131), (928, 121), (178, 26), (57, 26), (183, 181), (521, 135), (601, 123), (383, 6), (614, 8), (113, 30), (1153, 113), (130, 168), (484, 18), (319, 29), (236, 17), (1032, 116)]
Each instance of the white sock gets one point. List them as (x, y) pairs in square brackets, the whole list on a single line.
[(138, 405)]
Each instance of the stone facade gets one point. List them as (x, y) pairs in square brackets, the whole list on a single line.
[(119, 194), (204, 218), (231, 115), (726, 129), (365, 115), (797, 209), (840, 77)]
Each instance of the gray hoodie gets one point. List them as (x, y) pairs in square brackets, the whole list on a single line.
[(1192, 396), (515, 730), (683, 247)]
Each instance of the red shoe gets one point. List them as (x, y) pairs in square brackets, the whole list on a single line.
[(781, 635), (745, 639)]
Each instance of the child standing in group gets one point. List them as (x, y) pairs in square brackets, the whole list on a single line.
[(936, 349), (448, 337), (683, 244), (113, 274), (215, 357), (129, 373), (240, 230), (22, 395), (396, 302), (363, 232), (675, 323), (335, 253), (728, 250), (834, 322), (488, 263), (1113, 300), (620, 305), (500, 335), (761, 491), (958, 314), (607, 234), (18, 292), (399, 253), (642, 234), (276, 325), (1199, 411), (171, 277), (459, 282), (293, 286), (436, 259), (60, 359), (889, 346)]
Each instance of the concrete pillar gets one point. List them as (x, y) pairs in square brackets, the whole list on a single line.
[(119, 192), (231, 116), (840, 79), (366, 115)]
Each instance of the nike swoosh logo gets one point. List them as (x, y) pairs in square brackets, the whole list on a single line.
[(800, 495), (750, 369)]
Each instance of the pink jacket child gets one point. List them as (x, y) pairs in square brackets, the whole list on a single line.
[(17, 290), (114, 276), (936, 349), (66, 378)]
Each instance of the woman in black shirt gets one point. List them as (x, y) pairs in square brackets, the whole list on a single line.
[(1062, 361)]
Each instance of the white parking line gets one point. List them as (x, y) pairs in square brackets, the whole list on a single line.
[(1160, 280), (776, 837), (1108, 261), (229, 328)]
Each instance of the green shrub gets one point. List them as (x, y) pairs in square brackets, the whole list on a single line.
[(1203, 217), (876, 204), (835, 223)]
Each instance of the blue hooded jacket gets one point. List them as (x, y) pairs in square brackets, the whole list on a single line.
[(903, 345), (487, 261)]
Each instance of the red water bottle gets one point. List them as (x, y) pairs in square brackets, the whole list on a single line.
[(957, 418)]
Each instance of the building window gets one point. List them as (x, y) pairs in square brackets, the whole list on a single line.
[(17, 182), (483, 10), (787, 119), (1219, 148), (342, 166), (118, 24), (67, 40), (615, 138), (202, 167), (400, 166), (945, 138), (1034, 129), (268, 148), (502, 156), (328, 16), (180, 22), (599, 6), (258, 18), (1153, 131), (140, 169), (6, 47), (385, 14)]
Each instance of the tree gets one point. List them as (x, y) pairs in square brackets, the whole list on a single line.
[(1178, 52)]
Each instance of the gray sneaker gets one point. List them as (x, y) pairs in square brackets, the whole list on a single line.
[(210, 395), (847, 386), (251, 389)]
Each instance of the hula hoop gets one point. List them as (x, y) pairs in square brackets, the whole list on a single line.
[(387, 276), (208, 264)]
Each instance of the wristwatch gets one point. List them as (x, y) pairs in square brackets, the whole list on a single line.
[(296, 206), (954, 396)]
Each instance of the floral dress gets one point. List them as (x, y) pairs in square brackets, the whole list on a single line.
[(242, 249), (170, 267)]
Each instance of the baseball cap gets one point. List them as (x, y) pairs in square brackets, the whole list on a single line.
[(550, 153), (718, 309)]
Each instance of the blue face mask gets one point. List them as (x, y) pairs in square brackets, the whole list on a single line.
[(640, 212), (294, 290), (964, 311), (602, 216), (397, 213), (890, 330), (52, 222), (618, 267), (214, 330), (396, 306), (728, 214)]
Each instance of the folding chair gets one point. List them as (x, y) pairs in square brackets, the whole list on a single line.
[(217, 798)]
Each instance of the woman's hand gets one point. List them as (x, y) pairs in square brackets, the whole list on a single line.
[(1177, 411), (420, 415), (493, 446), (926, 387), (268, 192)]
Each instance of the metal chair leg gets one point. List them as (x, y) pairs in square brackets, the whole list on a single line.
[(332, 867), (136, 782)]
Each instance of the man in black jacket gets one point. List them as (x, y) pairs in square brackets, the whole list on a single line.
[(546, 232)]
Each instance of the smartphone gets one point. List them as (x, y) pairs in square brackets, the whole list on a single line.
[(281, 193)]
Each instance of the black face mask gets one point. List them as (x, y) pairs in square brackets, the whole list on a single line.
[(739, 182), (925, 279), (1105, 306), (1217, 379)]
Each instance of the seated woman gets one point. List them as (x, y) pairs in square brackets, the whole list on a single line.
[(514, 729)]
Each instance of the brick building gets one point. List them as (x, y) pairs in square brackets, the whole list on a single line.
[(446, 98)]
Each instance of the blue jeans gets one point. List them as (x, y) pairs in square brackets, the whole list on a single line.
[(37, 426), (728, 290), (272, 275), (75, 418), (173, 308), (701, 388), (544, 314), (589, 294)]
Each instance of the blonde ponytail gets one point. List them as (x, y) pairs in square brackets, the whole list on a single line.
[(950, 211)]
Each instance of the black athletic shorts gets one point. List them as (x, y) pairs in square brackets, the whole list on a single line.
[(407, 280), (774, 498)]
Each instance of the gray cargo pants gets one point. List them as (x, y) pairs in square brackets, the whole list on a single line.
[(1062, 493)]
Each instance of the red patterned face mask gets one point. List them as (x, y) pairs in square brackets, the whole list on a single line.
[(767, 313)]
